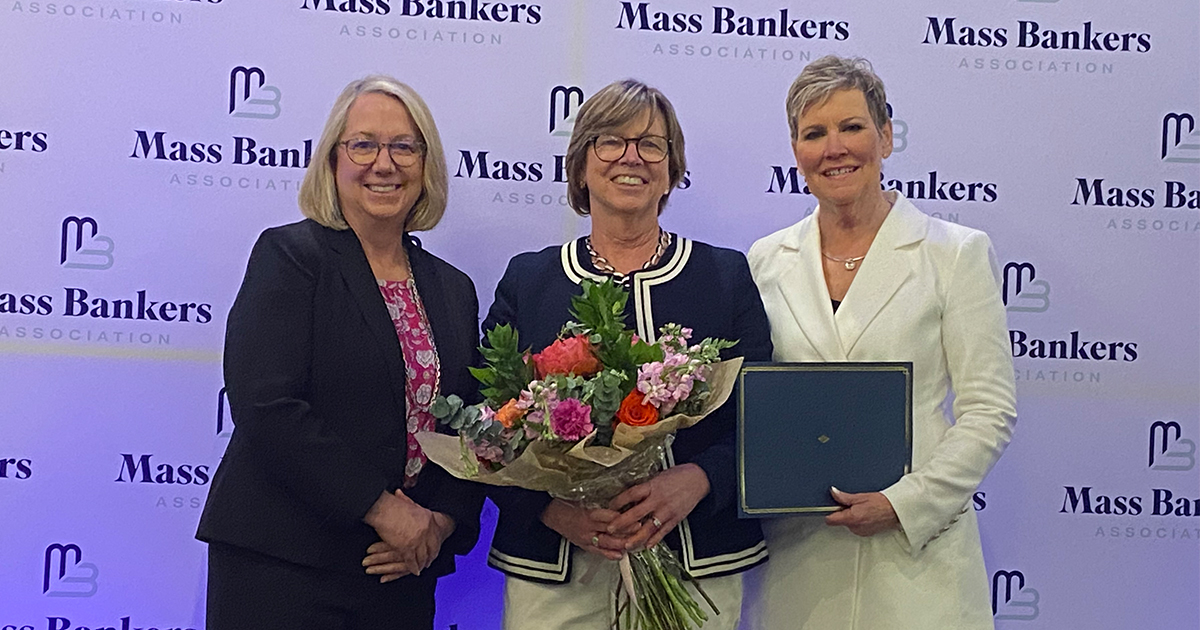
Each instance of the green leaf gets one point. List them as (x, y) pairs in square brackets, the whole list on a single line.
[(642, 352), (443, 407), (483, 375), (507, 370)]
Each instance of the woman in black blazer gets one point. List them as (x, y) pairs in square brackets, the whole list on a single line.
[(341, 335)]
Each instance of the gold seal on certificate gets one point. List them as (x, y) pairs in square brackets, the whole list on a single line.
[(804, 427)]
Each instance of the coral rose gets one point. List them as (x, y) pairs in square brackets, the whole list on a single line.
[(636, 412), (573, 355), (509, 413)]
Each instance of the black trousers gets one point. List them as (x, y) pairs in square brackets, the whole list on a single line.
[(251, 591)]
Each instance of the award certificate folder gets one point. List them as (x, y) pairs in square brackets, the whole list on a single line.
[(803, 427)]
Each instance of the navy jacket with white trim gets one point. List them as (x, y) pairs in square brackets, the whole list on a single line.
[(705, 288)]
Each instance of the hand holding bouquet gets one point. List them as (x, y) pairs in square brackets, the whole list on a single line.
[(586, 418)]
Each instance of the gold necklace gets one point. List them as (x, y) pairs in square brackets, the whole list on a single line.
[(601, 263), (849, 263)]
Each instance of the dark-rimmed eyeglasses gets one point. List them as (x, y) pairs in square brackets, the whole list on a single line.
[(364, 152), (610, 148)]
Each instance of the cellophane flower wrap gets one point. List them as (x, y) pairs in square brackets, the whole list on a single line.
[(586, 418)]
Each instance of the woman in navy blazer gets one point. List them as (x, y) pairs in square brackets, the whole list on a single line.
[(331, 359), (625, 156)]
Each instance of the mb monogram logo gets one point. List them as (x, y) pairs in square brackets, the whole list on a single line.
[(564, 101), (1169, 450), (1180, 145), (1023, 292), (64, 575), (80, 251), (1011, 599), (247, 89)]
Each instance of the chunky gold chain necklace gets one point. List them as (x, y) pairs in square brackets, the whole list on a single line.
[(599, 262)]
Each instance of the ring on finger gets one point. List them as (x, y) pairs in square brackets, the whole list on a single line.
[(657, 523), (596, 540)]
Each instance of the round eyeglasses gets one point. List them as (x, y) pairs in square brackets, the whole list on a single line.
[(364, 152), (610, 148)]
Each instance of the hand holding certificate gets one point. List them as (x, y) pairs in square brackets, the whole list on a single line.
[(804, 428), (865, 513)]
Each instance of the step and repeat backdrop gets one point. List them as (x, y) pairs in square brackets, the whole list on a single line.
[(144, 144)]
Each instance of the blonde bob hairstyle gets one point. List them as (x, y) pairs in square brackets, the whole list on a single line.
[(607, 110), (319, 194), (821, 78)]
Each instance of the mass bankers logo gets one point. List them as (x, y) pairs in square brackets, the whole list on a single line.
[(244, 94), (250, 97), (1180, 138), (729, 32), (1012, 599), (722, 20), (1176, 138), (82, 246), (1030, 34), (565, 101), (1169, 450), (480, 164), (468, 10), (1023, 291), (64, 574)]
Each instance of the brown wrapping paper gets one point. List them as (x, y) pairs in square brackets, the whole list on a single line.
[(560, 468)]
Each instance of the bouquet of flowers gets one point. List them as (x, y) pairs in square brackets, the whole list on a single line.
[(587, 417)]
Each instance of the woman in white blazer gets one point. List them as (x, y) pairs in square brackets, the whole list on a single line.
[(869, 277)]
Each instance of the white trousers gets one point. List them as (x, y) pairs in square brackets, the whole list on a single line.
[(579, 606)]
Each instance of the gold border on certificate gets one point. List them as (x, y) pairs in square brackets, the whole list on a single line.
[(844, 366)]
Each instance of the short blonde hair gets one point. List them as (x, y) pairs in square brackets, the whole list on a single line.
[(821, 78), (614, 106), (318, 192)]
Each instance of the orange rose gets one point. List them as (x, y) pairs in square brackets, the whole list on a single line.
[(509, 414), (573, 355), (636, 412)]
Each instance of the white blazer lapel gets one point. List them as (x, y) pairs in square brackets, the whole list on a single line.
[(889, 263), (802, 286)]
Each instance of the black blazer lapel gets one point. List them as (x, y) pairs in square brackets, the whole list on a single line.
[(360, 281)]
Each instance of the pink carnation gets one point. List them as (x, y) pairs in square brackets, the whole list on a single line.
[(571, 420)]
